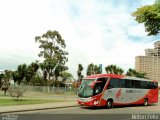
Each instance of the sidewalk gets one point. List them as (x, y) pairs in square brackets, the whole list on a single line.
[(20, 108)]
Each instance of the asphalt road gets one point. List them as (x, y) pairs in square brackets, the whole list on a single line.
[(151, 112)]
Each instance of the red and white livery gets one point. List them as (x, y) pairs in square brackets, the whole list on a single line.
[(110, 89)]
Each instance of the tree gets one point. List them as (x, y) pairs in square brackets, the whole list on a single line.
[(52, 47), (131, 72), (90, 69), (16, 76), (113, 69), (134, 73), (66, 75), (37, 80), (1, 78), (31, 71), (6, 79), (97, 69), (19, 74), (7, 74), (59, 70), (93, 69), (43, 68), (150, 16), (79, 72)]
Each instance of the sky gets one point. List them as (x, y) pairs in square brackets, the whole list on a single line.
[(95, 31)]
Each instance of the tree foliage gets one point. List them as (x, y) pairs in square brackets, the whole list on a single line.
[(4, 80), (93, 69), (150, 16), (25, 72), (113, 69), (1, 78), (31, 71), (52, 49), (66, 76), (79, 72), (37, 80), (19, 74), (134, 73)]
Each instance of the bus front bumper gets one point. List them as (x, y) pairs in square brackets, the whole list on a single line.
[(88, 102)]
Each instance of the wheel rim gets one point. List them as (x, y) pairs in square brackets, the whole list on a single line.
[(146, 103), (109, 104)]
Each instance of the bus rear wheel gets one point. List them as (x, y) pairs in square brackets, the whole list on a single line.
[(145, 102), (109, 104)]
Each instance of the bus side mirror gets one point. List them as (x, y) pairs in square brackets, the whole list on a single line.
[(92, 85)]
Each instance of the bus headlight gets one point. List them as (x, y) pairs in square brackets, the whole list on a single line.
[(96, 102), (86, 99), (89, 99)]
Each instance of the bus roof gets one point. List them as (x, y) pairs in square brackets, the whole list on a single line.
[(104, 75), (117, 76), (135, 78)]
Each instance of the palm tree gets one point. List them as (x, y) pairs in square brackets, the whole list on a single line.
[(108, 69), (7, 74), (5, 80), (19, 74), (90, 69), (15, 76), (134, 73), (97, 69), (120, 71), (79, 72), (131, 72), (113, 69), (1, 78), (31, 71)]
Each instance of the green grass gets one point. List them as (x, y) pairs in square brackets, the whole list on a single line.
[(8, 102)]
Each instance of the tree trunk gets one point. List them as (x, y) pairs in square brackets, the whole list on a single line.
[(48, 82), (5, 91)]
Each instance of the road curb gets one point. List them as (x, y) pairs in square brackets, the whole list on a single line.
[(47, 108)]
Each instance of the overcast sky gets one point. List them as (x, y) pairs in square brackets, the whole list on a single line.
[(95, 31)]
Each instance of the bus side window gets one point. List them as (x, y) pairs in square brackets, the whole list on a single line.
[(143, 84), (136, 84), (148, 85), (153, 85), (113, 83), (121, 83), (128, 83)]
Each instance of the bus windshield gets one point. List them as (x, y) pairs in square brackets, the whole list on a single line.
[(85, 90)]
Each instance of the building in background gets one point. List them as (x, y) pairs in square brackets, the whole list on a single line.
[(2, 71), (150, 63)]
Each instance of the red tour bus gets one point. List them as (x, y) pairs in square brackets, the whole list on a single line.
[(110, 89)]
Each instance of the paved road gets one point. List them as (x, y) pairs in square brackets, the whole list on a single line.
[(154, 108), (86, 113)]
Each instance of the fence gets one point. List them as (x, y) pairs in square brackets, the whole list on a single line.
[(45, 92), (47, 89)]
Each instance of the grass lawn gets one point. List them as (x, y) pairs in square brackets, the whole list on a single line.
[(8, 102)]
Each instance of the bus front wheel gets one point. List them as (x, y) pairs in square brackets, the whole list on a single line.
[(145, 102), (109, 104)]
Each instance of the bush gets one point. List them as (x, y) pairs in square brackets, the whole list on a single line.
[(37, 81), (16, 92)]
